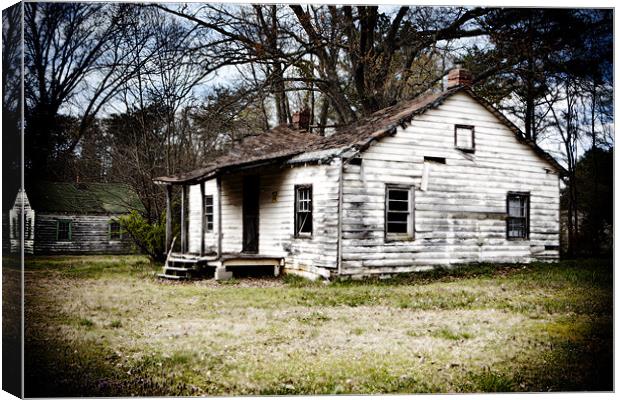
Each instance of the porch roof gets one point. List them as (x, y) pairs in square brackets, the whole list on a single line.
[(286, 144)]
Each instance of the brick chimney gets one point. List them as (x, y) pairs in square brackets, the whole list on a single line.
[(458, 76), (301, 119)]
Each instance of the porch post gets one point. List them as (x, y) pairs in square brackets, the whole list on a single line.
[(183, 231), (204, 221), (218, 181), (168, 217)]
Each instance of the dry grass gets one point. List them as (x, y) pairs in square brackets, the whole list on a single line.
[(106, 326)]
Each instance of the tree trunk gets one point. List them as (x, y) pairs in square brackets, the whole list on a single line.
[(323, 115)]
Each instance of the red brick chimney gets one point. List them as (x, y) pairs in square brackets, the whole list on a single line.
[(458, 76), (301, 119)]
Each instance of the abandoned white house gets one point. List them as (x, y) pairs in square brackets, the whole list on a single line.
[(441, 179), (72, 218)]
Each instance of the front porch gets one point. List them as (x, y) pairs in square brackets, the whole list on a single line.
[(250, 217), (200, 251)]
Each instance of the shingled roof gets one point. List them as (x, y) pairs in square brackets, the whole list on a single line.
[(83, 198), (285, 144)]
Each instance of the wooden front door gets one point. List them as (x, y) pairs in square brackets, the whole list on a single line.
[(251, 191)]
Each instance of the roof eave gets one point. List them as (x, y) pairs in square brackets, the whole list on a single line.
[(218, 171), (518, 133)]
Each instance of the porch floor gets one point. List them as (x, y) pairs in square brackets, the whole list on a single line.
[(189, 265)]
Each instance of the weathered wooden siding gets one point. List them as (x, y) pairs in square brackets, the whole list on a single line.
[(276, 233), (22, 204), (90, 234), (276, 215), (195, 218), (460, 218)]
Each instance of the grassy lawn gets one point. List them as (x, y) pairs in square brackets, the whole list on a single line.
[(107, 326)]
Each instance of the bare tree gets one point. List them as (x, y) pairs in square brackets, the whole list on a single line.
[(77, 57), (326, 47), (11, 102)]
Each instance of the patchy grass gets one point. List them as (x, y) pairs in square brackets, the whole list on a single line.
[(106, 326), (116, 324), (448, 334), (86, 322)]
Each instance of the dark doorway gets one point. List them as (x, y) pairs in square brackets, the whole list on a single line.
[(251, 191)]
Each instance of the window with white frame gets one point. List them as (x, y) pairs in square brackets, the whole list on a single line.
[(208, 204), (399, 212), (303, 210), (517, 220)]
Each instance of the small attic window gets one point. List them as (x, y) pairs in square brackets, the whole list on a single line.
[(464, 138), (438, 160)]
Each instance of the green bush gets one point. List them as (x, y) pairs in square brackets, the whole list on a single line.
[(149, 237)]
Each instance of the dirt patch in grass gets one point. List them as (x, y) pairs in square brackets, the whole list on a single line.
[(537, 328)]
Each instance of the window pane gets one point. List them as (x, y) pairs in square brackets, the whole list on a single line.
[(398, 217), (304, 222), (397, 228), (397, 205), (514, 207), (516, 228), (398, 194), (517, 206)]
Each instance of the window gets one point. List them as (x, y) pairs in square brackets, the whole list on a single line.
[(464, 137), (517, 221), (398, 212), (63, 230), (303, 210), (115, 230), (208, 204)]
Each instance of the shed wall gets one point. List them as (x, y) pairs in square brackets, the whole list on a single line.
[(90, 234), (22, 204)]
